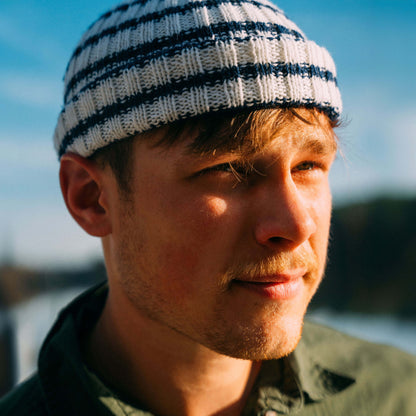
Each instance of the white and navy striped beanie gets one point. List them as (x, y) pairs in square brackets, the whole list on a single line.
[(147, 63)]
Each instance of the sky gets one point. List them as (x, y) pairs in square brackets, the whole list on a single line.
[(373, 43)]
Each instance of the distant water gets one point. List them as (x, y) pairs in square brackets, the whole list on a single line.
[(34, 318), (383, 329)]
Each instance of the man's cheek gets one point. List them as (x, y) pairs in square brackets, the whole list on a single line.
[(179, 266)]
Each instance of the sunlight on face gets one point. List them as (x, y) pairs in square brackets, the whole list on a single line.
[(229, 263)]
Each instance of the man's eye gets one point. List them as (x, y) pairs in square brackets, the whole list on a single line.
[(223, 167), (306, 166), (228, 167), (239, 171)]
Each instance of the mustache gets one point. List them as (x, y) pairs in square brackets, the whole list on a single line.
[(276, 264)]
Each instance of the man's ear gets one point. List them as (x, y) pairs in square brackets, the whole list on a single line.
[(82, 185)]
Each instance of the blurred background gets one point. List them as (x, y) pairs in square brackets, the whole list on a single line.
[(46, 259)]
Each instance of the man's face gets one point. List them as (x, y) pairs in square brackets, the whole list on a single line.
[(227, 250)]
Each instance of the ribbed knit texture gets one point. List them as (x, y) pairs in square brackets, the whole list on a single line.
[(147, 63)]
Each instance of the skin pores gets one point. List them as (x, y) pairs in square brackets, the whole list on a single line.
[(224, 252)]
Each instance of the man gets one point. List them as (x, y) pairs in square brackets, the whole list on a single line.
[(195, 140)]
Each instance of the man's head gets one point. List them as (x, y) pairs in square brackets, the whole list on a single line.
[(196, 139)]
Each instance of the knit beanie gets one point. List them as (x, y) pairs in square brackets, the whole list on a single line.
[(148, 63)]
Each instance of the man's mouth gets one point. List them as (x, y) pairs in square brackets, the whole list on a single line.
[(279, 286)]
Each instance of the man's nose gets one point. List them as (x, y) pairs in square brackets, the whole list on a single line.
[(284, 216)]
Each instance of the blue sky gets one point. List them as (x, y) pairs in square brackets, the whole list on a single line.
[(373, 43)]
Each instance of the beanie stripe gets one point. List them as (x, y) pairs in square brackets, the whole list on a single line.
[(186, 69), (151, 62), (156, 17), (125, 6), (147, 68), (163, 109), (157, 35), (122, 105), (198, 38)]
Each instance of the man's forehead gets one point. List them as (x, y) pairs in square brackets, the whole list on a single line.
[(313, 139)]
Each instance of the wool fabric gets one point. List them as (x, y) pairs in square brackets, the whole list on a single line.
[(147, 63)]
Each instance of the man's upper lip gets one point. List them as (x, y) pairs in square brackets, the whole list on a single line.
[(283, 277)]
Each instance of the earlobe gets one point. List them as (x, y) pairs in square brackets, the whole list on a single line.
[(82, 186)]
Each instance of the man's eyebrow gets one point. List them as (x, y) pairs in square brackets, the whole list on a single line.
[(326, 144), (322, 143)]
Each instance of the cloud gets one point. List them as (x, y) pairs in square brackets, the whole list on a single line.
[(402, 145), (35, 227), (31, 90), (379, 141), (26, 152), (44, 234), (23, 37), (380, 152)]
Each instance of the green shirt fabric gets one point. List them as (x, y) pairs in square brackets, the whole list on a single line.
[(329, 373)]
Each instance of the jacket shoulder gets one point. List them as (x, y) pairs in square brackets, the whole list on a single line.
[(385, 376), (24, 400), (351, 352)]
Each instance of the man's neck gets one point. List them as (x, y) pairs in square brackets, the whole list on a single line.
[(163, 370)]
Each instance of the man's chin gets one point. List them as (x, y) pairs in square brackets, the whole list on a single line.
[(259, 345)]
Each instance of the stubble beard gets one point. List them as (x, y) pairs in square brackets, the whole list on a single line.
[(273, 334), (278, 329)]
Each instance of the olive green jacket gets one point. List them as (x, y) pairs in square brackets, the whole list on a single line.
[(328, 374)]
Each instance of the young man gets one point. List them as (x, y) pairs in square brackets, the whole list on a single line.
[(196, 140)]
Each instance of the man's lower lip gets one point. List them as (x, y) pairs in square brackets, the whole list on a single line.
[(274, 290)]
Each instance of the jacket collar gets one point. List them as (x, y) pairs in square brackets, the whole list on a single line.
[(283, 385), (286, 385), (64, 381)]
